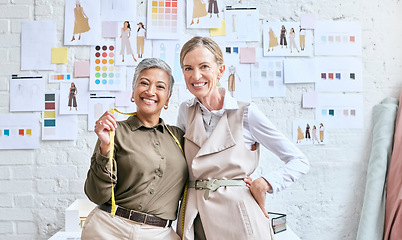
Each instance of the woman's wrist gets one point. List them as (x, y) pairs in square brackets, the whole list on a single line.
[(104, 148)]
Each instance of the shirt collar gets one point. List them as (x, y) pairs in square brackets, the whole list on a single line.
[(136, 124), (229, 102)]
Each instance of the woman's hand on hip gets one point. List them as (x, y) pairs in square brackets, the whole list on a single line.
[(258, 189), (103, 126)]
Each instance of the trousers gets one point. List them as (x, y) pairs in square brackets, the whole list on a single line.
[(101, 225)]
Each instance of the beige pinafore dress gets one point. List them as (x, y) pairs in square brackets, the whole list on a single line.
[(229, 212)]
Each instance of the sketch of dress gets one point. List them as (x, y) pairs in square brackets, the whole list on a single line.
[(273, 40), (199, 9), (125, 42), (300, 135), (232, 80), (80, 21)]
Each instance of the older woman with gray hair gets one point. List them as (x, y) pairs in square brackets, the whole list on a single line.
[(148, 170)]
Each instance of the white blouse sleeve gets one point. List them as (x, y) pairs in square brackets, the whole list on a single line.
[(182, 117), (264, 132)]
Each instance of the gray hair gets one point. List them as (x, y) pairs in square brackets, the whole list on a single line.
[(148, 63)]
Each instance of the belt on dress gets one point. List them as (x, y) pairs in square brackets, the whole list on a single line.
[(213, 185), (138, 217)]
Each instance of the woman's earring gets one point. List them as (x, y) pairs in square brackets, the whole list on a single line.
[(165, 107), (132, 99)]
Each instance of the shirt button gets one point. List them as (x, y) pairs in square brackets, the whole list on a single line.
[(139, 207), (104, 160), (157, 143), (151, 191), (162, 157), (159, 174)]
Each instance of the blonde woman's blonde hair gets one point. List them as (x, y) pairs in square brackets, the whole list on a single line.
[(206, 42)]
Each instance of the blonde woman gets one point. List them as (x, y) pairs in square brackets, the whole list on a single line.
[(222, 143)]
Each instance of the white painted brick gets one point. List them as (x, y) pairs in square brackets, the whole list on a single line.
[(4, 173), (10, 68), (4, 83), (79, 157), (47, 157), (6, 200), (82, 171), (15, 214), (16, 26), (15, 186), (46, 186), (24, 201), (3, 56), (16, 157), (18, 237), (6, 227), (27, 2), (43, 10), (10, 40), (27, 228), (14, 11), (21, 172), (57, 172), (76, 186), (14, 54), (4, 26)]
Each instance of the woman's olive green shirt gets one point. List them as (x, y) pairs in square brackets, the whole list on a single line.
[(149, 169)]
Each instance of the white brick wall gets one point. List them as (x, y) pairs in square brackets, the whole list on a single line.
[(37, 185)]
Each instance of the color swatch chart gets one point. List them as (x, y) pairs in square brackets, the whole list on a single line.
[(7, 132), (49, 115), (163, 19), (19, 131), (344, 112), (104, 74), (340, 110), (267, 78), (338, 39), (60, 77), (338, 76)]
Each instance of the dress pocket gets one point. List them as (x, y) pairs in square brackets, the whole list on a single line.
[(245, 218)]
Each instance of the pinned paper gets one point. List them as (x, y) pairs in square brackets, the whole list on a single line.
[(307, 21), (110, 29), (37, 39), (123, 99), (215, 32), (81, 69), (310, 99), (247, 55), (299, 70), (59, 55)]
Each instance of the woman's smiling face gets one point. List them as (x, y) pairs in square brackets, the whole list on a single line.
[(151, 92), (201, 72)]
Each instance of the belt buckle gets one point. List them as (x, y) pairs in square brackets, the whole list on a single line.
[(196, 184), (141, 223)]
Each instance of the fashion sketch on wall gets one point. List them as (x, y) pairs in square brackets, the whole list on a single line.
[(204, 13), (82, 22), (287, 39)]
